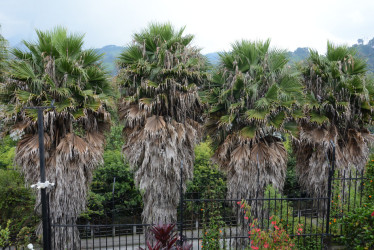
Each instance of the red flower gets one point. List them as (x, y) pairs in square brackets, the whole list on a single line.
[(276, 227), (274, 222), (300, 229), (271, 217), (238, 202), (254, 247), (242, 206), (372, 214), (266, 245), (246, 217)]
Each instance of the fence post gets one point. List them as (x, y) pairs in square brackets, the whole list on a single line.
[(181, 206), (329, 187), (43, 191)]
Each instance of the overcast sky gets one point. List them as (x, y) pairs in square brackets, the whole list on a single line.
[(215, 24)]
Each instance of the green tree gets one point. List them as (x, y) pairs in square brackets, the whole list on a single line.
[(16, 204), (56, 68), (339, 109), (127, 198), (159, 78)]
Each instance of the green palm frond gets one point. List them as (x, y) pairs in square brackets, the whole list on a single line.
[(56, 67), (255, 86)]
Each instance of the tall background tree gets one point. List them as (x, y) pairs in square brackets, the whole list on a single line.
[(340, 105), (162, 114), (56, 67), (252, 99)]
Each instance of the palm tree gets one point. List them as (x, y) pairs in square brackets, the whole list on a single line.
[(3, 60), (340, 107), (3, 56), (253, 99), (159, 78), (55, 67)]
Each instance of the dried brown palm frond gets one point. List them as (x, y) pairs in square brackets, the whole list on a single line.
[(158, 150), (162, 114), (70, 161), (252, 165)]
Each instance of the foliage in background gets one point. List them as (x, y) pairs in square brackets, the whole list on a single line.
[(5, 235), (16, 204), (208, 179), (213, 227), (275, 206), (127, 198), (369, 183), (291, 185), (7, 152), (359, 227)]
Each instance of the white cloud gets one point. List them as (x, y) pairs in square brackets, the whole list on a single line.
[(216, 24)]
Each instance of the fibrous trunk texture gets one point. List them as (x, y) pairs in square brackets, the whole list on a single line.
[(251, 165), (314, 154), (156, 152), (69, 162)]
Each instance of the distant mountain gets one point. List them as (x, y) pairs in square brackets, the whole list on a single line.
[(111, 53), (366, 51), (213, 58), (298, 55)]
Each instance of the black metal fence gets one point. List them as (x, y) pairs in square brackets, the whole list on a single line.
[(200, 217)]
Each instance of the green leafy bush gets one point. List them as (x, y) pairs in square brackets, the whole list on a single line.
[(359, 228), (16, 203), (358, 224), (207, 177), (4, 235), (127, 199)]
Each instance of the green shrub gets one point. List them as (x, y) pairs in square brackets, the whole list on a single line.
[(127, 198), (358, 227), (358, 224), (16, 203), (4, 235)]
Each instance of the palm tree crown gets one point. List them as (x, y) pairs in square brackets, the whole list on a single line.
[(159, 78), (56, 68)]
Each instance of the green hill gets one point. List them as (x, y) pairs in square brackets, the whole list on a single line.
[(111, 52)]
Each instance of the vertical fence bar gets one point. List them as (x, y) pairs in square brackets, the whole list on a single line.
[(46, 241), (181, 206), (329, 186)]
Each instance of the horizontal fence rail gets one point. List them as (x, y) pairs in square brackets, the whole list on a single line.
[(200, 214)]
